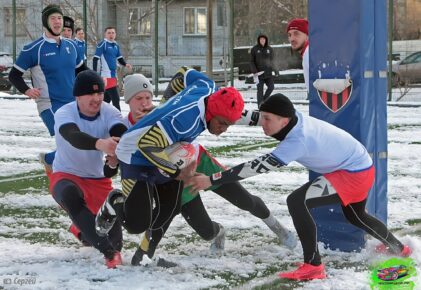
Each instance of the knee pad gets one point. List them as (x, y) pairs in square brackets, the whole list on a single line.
[(320, 187)]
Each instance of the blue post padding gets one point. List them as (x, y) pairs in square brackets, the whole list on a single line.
[(348, 39)]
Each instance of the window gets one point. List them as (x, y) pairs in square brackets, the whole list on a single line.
[(139, 22), (195, 21), (20, 21)]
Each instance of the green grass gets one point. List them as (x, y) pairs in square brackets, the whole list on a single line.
[(231, 150), (37, 224), (24, 182), (412, 222)]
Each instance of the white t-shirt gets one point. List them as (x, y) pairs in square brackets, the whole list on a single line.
[(322, 147), (306, 67), (83, 163)]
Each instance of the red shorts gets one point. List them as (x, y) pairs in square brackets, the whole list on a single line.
[(352, 187), (111, 83), (95, 191)]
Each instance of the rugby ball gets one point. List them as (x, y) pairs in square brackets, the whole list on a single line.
[(181, 153)]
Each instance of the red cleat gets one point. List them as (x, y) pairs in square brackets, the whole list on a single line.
[(114, 261), (305, 272), (75, 231), (382, 249), (78, 235), (406, 251)]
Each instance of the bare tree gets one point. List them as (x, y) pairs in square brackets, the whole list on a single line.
[(76, 12), (254, 17)]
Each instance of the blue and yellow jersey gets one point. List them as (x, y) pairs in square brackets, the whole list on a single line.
[(182, 118)]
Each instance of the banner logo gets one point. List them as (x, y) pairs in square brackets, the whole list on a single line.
[(335, 102), (394, 274)]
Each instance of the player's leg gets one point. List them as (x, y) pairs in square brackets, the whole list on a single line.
[(132, 206), (356, 214), (194, 212), (107, 96), (115, 97), (70, 196), (168, 202), (236, 194), (47, 159), (270, 86), (315, 193)]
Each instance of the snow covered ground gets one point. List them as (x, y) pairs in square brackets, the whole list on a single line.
[(37, 252)]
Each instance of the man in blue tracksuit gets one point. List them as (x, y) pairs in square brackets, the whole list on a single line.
[(80, 42), (108, 53), (53, 62)]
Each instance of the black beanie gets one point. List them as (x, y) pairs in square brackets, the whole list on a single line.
[(88, 82), (278, 104), (46, 12), (69, 23)]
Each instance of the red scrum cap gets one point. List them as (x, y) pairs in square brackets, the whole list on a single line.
[(227, 103), (299, 24)]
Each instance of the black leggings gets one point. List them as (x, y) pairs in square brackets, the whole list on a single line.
[(70, 197), (194, 212), (111, 94), (138, 213), (236, 194), (300, 201), (270, 86)]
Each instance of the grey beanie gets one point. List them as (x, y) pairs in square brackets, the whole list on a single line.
[(134, 84)]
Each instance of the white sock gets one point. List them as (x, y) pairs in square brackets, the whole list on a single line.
[(270, 220)]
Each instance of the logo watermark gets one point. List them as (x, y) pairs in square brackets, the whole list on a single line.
[(394, 274), (19, 280)]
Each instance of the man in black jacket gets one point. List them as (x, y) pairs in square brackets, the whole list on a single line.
[(261, 67)]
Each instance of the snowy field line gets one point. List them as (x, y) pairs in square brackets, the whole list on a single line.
[(21, 178), (36, 246)]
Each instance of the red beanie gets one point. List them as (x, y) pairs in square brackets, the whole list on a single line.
[(299, 24), (227, 103)]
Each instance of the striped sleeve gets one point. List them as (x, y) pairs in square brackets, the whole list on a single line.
[(151, 145), (261, 164)]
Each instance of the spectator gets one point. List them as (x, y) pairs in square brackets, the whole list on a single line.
[(261, 63), (298, 37)]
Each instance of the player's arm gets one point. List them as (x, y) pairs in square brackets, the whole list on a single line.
[(111, 162), (121, 61), (249, 118), (16, 78), (262, 164), (182, 79), (151, 145), (176, 84), (95, 63), (97, 56), (81, 67), (78, 139)]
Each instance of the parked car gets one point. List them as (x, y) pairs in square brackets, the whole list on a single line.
[(408, 70), (286, 64), (6, 63)]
